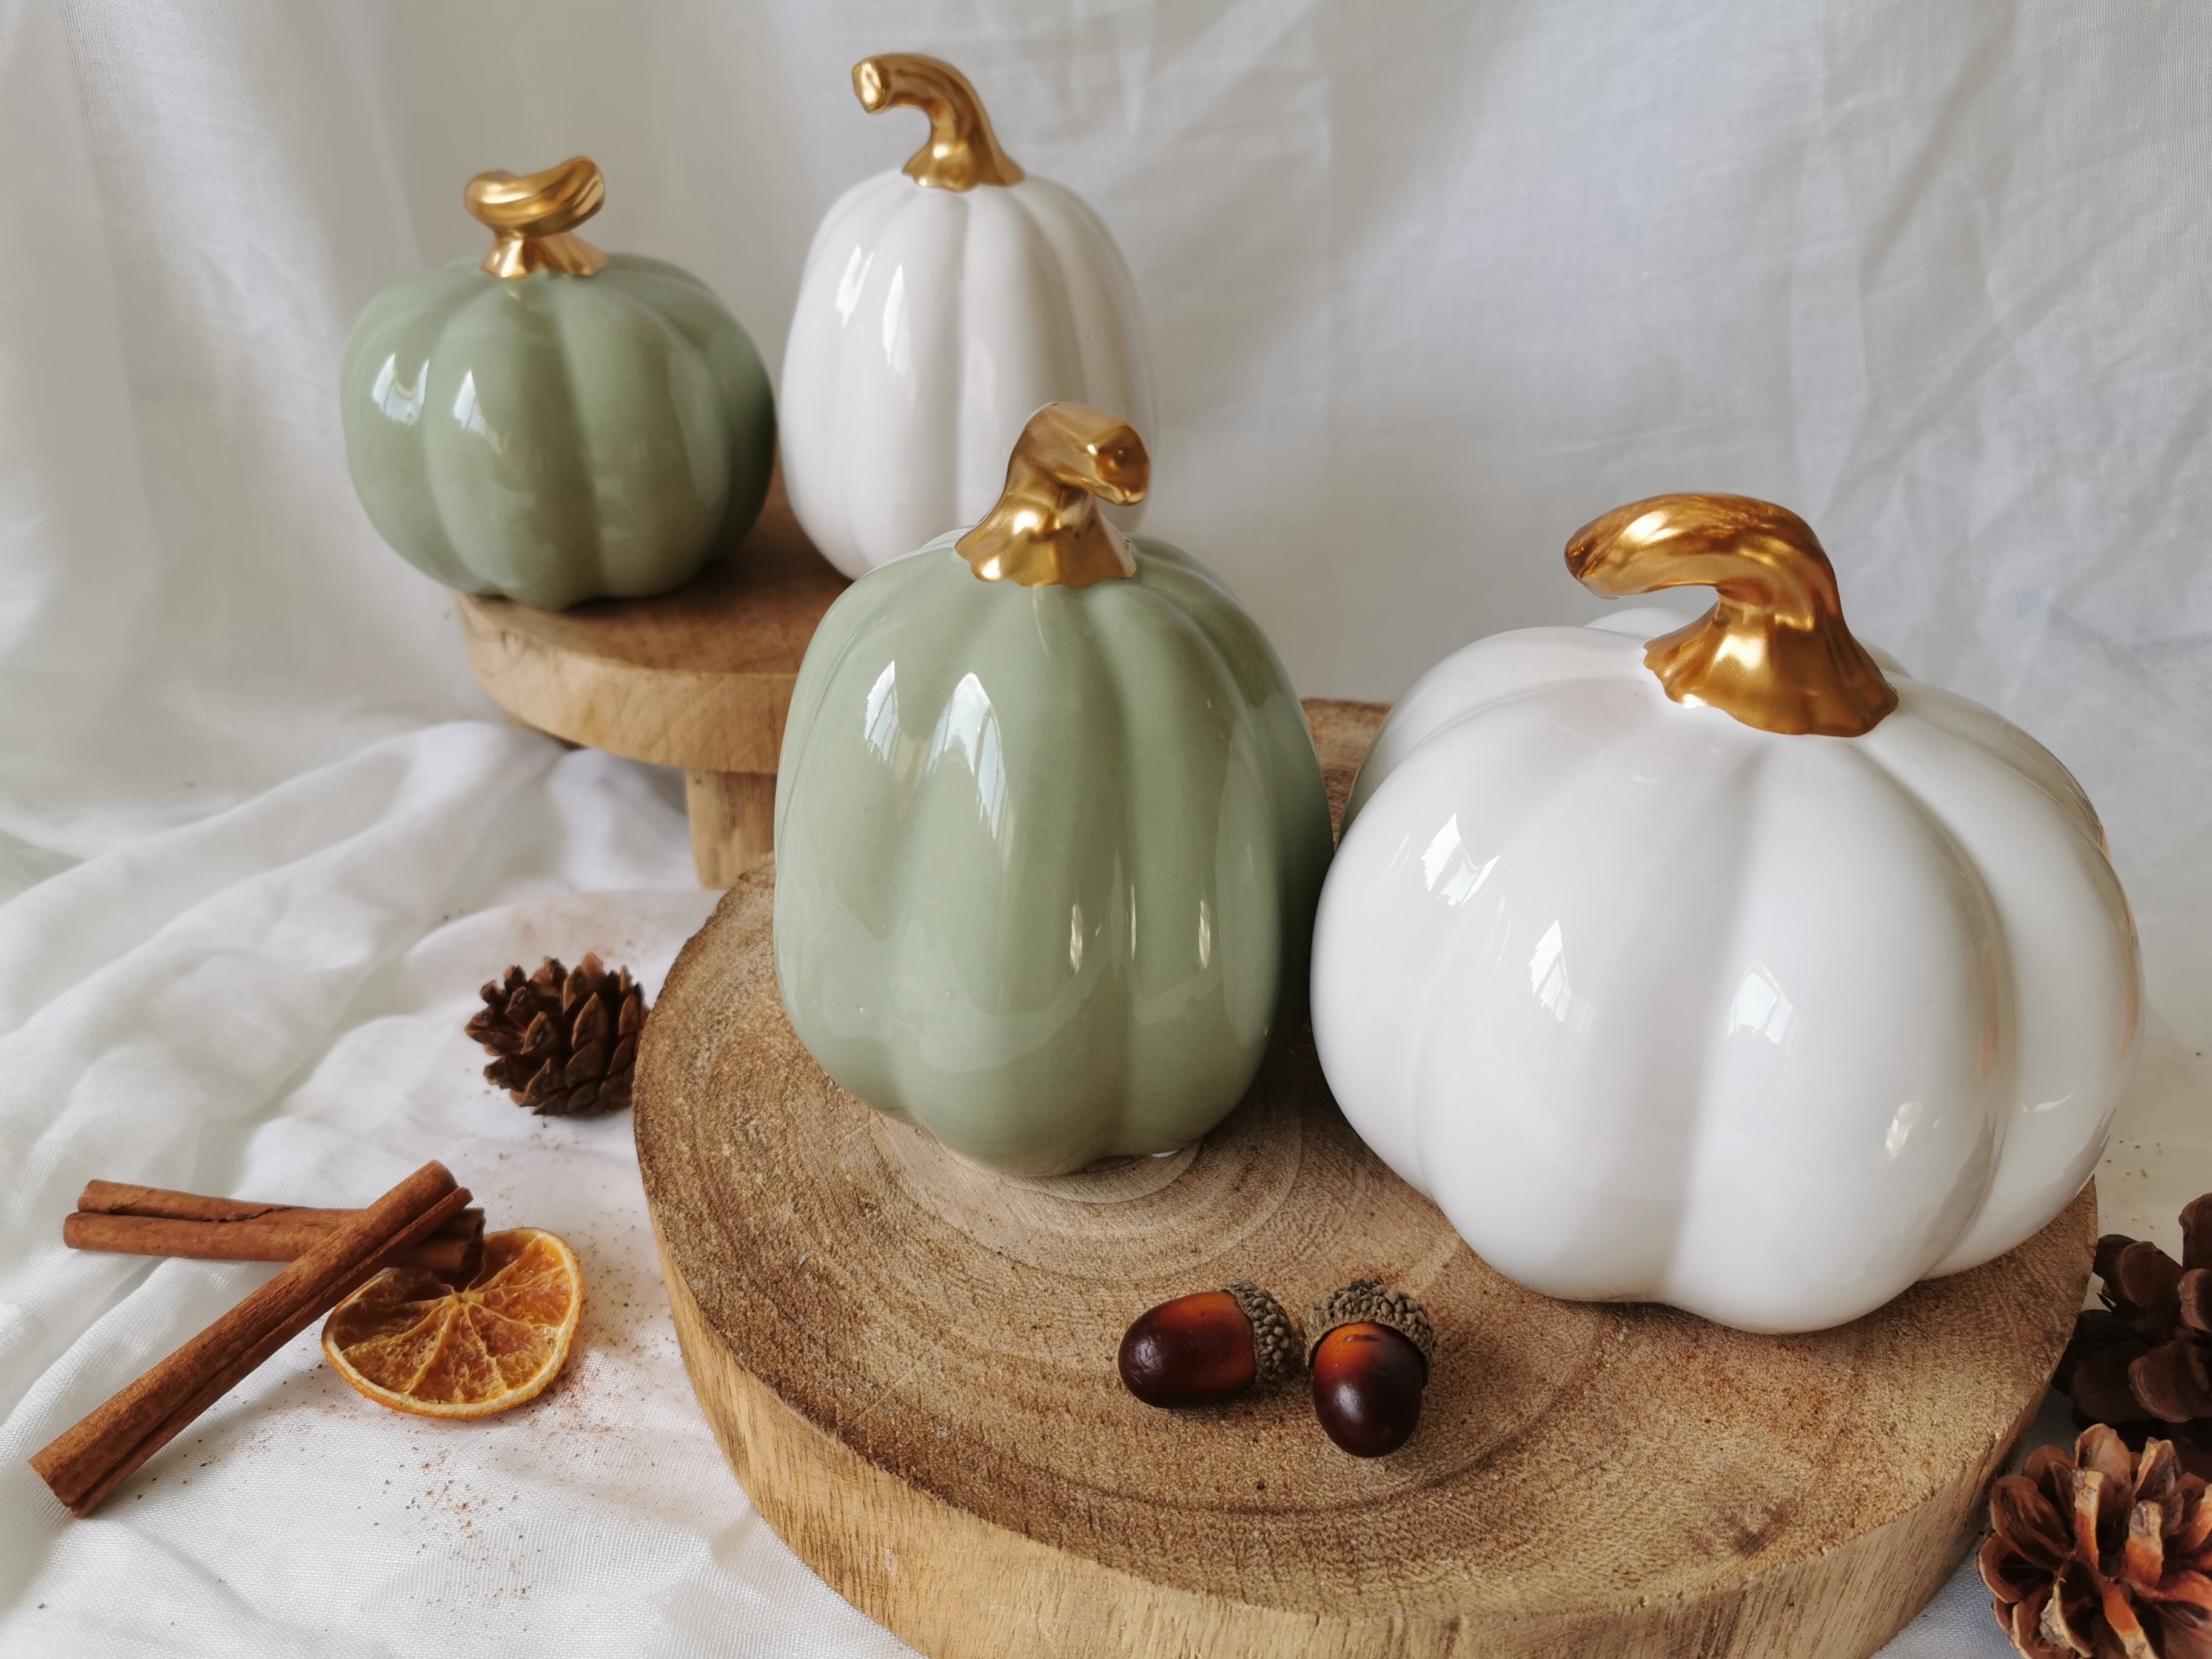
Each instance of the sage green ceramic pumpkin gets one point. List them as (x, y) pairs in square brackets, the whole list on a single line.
[(555, 424), (1047, 855)]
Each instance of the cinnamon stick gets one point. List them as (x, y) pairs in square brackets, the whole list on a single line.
[(277, 1239), (86, 1462), (127, 1198), (135, 1220)]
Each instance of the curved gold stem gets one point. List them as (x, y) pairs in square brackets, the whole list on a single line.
[(963, 152), (1047, 527), (533, 215), (1774, 650)]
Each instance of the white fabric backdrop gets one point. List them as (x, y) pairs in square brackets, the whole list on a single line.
[(1429, 286)]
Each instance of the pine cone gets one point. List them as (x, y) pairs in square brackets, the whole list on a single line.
[(567, 1040), (2101, 1553), (2146, 1355)]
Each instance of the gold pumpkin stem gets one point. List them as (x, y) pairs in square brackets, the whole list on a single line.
[(1774, 652), (963, 152), (1047, 528), (533, 215)]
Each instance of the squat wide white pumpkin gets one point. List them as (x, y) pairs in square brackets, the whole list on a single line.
[(1734, 973), (939, 308)]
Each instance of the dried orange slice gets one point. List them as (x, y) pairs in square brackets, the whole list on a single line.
[(410, 1340)]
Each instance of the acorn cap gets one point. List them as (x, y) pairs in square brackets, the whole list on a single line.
[(1370, 1302), (1274, 1334)]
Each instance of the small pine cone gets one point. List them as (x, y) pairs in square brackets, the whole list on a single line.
[(2146, 1356), (2101, 1552), (565, 1040)]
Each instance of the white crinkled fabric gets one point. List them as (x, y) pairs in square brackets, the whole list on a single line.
[(1428, 288)]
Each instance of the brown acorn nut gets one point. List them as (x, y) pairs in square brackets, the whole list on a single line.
[(1210, 1346), (1370, 1354)]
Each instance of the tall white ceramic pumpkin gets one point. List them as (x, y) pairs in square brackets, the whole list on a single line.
[(1730, 971), (941, 305)]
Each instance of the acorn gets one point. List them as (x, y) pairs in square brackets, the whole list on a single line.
[(1209, 1347), (1370, 1353)]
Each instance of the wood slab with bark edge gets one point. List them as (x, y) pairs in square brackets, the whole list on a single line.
[(910, 1364), (699, 678)]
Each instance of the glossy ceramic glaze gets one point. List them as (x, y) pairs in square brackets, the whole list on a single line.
[(1045, 857), (931, 324), (1658, 1006), (557, 438)]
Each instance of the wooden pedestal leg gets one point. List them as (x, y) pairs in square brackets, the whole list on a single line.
[(733, 823)]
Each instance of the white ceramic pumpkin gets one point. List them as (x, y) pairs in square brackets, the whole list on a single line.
[(940, 307), (1733, 972)]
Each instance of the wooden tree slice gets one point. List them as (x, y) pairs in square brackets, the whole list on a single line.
[(909, 1363), (699, 678)]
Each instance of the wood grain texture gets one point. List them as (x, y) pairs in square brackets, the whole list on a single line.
[(910, 1365), (699, 678), (733, 823)]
